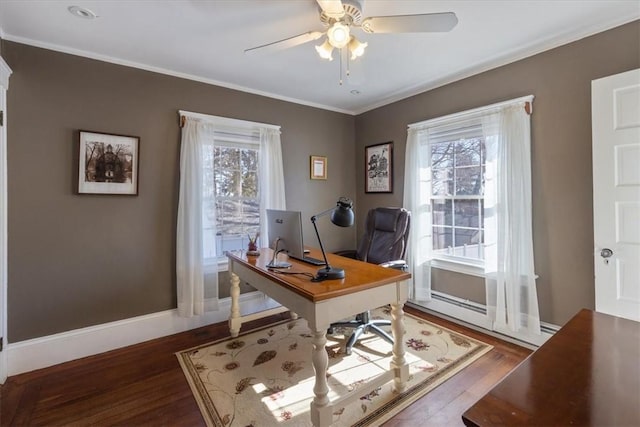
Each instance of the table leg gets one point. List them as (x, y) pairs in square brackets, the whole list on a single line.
[(321, 412), (235, 322), (399, 364)]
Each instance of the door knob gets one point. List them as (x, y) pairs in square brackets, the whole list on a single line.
[(606, 253)]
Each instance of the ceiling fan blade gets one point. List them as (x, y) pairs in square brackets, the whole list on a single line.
[(424, 23), (286, 43), (332, 8)]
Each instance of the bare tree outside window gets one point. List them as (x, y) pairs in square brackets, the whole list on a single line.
[(232, 198), (458, 168)]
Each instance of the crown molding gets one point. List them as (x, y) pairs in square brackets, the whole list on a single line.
[(159, 70), (509, 57), (503, 59)]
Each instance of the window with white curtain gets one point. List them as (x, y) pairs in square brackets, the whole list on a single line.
[(231, 192), (230, 174), (468, 187)]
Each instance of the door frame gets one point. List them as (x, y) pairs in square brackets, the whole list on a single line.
[(5, 72)]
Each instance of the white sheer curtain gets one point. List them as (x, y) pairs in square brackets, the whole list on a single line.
[(197, 286), (189, 248), (417, 200), (271, 179), (512, 301)]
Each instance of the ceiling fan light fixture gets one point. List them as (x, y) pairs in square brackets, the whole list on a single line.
[(338, 35), (356, 47), (325, 50)]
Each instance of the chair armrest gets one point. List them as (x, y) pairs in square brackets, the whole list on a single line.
[(351, 253), (399, 264)]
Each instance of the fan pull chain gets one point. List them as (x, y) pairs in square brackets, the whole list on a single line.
[(340, 66), (348, 64)]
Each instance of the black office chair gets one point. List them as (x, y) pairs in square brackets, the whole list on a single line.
[(384, 243)]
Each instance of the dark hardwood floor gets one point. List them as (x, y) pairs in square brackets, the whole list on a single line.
[(143, 385)]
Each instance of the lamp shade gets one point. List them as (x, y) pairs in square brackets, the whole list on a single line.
[(338, 35), (356, 47), (325, 50), (342, 215)]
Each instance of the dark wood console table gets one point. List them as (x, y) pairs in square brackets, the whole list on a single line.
[(587, 374)]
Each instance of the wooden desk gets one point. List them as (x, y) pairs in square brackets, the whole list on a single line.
[(366, 286), (587, 374)]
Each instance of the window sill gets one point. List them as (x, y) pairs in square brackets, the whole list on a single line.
[(216, 265), (458, 267), (462, 267)]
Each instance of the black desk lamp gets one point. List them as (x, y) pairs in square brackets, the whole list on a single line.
[(342, 216)]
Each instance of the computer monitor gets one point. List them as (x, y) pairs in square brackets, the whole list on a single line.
[(286, 226)]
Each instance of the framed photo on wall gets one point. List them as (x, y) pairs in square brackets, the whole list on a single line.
[(108, 163), (379, 168), (318, 167)]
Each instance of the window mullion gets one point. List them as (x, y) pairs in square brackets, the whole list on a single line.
[(453, 200)]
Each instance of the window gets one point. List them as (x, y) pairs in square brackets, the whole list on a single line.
[(468, 187), (457, 157), (230, 173), (231, 203)]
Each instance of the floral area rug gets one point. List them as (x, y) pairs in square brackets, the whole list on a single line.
[(265, 377)]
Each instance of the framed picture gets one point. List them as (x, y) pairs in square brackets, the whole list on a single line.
[(379, 168), (318, 167), (108, 163)]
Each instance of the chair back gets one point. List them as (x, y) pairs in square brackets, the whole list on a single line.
[(385, 237)]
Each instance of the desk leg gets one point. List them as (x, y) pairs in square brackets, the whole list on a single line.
[(321, 413), (235, 322), (398, 362)]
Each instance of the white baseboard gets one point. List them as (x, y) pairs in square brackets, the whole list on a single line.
[(481, 323), (37, 353)]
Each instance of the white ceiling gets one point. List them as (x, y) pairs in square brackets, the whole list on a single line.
[(205, 41)]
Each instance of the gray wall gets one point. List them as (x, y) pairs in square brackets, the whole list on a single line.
[(560, 79), (77, 261)]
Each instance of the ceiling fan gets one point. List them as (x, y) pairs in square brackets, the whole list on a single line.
[(340, 16)]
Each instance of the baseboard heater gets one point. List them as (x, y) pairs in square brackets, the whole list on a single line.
[(482, 309), (450, 299)]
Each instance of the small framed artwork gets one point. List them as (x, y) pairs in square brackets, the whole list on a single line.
[(108, 163), (318, 167), (379, 168)]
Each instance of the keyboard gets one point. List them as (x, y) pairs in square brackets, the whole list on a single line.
[(309, 260)]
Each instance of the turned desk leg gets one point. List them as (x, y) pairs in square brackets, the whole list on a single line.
[(398, 362), (235, 322), (321, 412)]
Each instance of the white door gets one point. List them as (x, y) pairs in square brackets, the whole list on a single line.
[(615, 109)]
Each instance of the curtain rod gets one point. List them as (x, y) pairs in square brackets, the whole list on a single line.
[(224, 121), (528, 107)]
